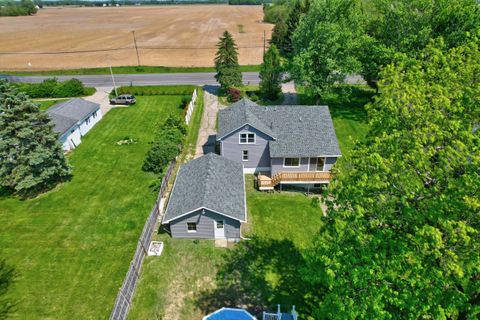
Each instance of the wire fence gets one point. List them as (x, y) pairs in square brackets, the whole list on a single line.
[(127, 290)]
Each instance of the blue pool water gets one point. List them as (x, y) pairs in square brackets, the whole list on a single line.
[(230, 314)]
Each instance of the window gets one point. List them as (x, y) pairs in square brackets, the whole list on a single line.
[(87, 121), (191, 227), (220, 224), (291, 162), (245, 155), (247, 138), (95, 114)]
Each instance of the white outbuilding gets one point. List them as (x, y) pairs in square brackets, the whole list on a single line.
[(72, 120)]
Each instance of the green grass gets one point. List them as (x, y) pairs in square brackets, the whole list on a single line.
[(188, 280), (190, 144), (45, 104), (251, 91), (125, 70), (72, 246), (347, 107)]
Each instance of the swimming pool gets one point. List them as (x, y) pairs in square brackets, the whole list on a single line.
[(230, 314)]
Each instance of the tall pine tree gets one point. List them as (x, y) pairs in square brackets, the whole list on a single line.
[(226, 63), (32, 159), (271, 74)]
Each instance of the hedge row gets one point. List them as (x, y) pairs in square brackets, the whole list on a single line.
[(156, 90), (166, 145), (52, 88)]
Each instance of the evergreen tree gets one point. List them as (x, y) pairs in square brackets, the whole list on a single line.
[(32, 157), (226, 63), (271, 74), (292, 24), (279, 36)]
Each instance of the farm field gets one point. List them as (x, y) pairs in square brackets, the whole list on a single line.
[(71, 247), (172, 36)]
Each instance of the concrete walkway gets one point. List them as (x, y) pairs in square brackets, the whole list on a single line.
[(101, 97), (289, 93), (207, 132)]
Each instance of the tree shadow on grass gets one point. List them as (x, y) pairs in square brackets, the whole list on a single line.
[(7, 274), (346, 101), (256, 275), (5, 193)]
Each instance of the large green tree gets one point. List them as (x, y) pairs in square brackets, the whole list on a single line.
[(407, 26), (32, 159), (226, 62), (325, 45), (402, 236), (271, 74)]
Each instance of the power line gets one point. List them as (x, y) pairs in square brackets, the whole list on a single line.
[(118, 49)]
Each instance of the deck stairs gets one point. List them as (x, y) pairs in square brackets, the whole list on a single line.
[(279, 315)]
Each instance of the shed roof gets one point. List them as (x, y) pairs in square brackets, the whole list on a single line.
[(66, 114), (212, 182), (296, 131)]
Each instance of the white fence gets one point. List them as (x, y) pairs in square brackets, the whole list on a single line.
[(191, 107)]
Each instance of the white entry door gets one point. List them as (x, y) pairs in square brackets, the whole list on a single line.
[(219, 229)]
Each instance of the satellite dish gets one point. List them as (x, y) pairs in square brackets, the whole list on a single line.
[(29, 64)]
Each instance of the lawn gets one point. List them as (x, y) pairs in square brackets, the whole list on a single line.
[(124, 70), (192, 278), (45, 104), (71, 247), (347, 107)]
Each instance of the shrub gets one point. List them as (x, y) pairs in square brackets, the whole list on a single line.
[(233, 94), (166, 145), (160, 155), (51, 88), (185, 90)]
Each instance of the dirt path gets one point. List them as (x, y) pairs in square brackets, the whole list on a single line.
[(206, 136)]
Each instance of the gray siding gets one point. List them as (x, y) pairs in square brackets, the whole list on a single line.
[(277, 165), (329, 162), (205, 226), (258, 153)]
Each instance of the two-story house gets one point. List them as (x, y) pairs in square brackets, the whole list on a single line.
[(283, 144)]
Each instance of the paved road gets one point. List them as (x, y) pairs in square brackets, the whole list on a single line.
[(200, 79)]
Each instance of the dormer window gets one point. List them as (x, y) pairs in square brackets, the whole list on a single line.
[(247, 138)]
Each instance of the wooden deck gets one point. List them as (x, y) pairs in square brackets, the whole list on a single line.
[(268, 183)]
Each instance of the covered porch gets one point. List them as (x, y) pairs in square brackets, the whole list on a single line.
[(266, 182)]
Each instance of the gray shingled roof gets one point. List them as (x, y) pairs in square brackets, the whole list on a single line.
[(66, 114), (298, 131), (212, 182), (238, 115)]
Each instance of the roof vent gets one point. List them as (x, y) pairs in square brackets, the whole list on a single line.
[(300, 119)]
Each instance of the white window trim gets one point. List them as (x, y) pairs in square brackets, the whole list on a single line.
[(223, 224), (243, 154), (324, 163), (192, 231), (247, 133), (299, 162)]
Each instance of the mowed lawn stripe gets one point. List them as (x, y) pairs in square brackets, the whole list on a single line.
[(72, 246)]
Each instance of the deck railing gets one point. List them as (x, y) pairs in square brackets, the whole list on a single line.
[(313, 176)]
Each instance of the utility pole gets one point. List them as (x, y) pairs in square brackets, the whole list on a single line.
[(263, 42), (113, 80), (136, 48)]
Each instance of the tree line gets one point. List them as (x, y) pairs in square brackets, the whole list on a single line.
[(21, 8)]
